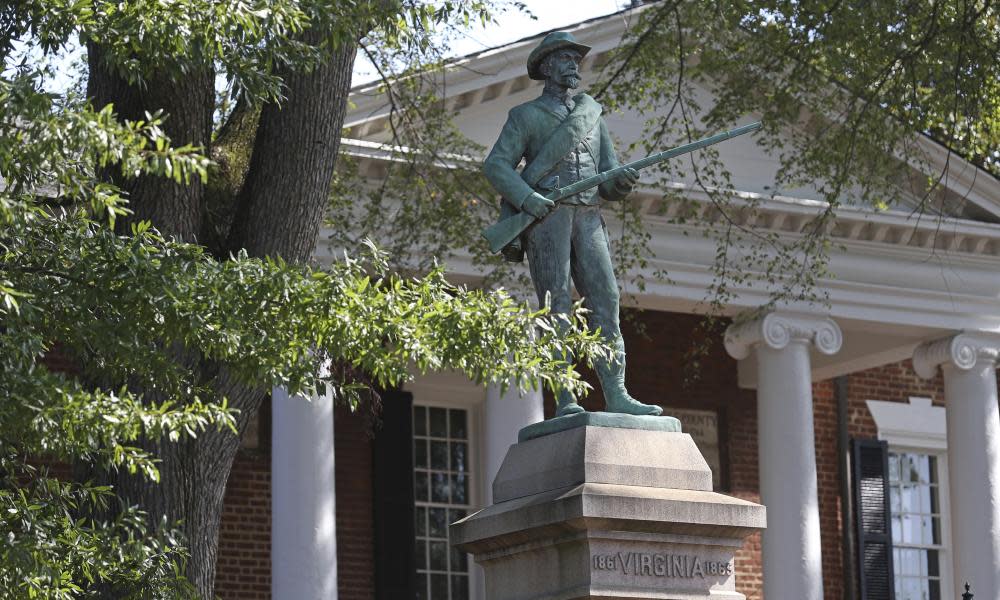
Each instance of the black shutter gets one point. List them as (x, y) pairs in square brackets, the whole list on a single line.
[(871, 501), (395, 567)]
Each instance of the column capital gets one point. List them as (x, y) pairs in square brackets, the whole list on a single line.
[(777, 329), (964, 350)]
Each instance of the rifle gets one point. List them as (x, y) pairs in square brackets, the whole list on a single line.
[(506, 231)]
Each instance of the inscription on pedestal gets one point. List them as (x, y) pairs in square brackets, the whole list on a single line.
[(703, 427), (654, 564)]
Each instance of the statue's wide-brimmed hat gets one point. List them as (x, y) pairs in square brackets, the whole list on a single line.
[(552, 42)]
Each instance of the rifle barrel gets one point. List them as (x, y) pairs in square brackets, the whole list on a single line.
[(652, 159)]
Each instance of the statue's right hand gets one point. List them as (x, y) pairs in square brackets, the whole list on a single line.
[(537, 205)]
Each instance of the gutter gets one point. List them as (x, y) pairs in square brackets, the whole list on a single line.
[(848, 543)]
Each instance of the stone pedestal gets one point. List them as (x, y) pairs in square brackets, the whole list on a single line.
[(615, 507)]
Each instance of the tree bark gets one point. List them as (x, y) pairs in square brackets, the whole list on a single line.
[(287, 188), (175, 209)]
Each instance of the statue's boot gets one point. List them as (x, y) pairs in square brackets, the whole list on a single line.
[(566, 405), (616, 397)]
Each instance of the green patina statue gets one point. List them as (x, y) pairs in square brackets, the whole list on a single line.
[(564, 140)]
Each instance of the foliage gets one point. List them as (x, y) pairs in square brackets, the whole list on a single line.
[(133, 313), (432, 201), (49, 551), (848, 93)]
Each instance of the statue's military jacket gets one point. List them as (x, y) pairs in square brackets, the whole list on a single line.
[(558, 150)]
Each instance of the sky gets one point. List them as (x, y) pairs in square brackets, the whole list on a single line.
[(514, 25)]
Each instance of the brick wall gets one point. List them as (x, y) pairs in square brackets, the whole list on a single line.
[(828, 486), (243, 570), (355, 529)]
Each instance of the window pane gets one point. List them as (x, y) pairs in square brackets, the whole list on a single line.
[(911, 529), (439, 556), (934, 590), (421, 587), (932, 563), (922, 467), (439, 455), (419, 420), (911, 498), (420, 485), (459, 587), (909, 562), (439, 487), (439, 422), (420, 453), (926, 530), (924, 492), (438, 523), (909, 469), (893, 467), (420, 517), (913, 588), (439, 587), (458, 429), (458, 451), (421, 554), (459, 489)]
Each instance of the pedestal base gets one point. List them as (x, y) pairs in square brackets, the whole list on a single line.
[(604, 512)]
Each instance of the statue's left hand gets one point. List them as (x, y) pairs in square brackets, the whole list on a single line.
[(627, 180)]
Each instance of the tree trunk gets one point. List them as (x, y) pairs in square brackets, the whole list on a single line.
[(287, 188), (278, 212), (175, 209)]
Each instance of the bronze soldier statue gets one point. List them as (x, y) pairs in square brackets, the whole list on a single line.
[(563, 139)]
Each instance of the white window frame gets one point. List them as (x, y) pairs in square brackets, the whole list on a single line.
[(451, 390), (920, 427)]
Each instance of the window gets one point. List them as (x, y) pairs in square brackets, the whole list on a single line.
[(442, 484), (915, 506), (918, 497)]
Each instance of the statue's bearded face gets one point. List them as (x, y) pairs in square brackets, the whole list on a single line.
[(562, 67)]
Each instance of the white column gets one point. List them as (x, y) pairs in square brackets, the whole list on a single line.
[(303, 494), (505, 415), (969, 362), (787, 444)]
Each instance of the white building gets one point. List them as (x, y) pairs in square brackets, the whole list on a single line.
[(901, 289)]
